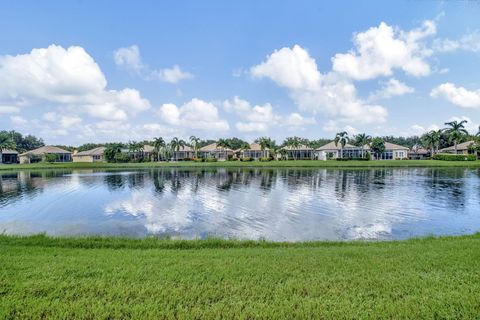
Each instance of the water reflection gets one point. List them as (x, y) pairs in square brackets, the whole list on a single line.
[(277, 204)]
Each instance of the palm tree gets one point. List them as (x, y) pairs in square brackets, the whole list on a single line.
[(363, 139), (283, 153), (293, 143), (6, 142), (195, 141), (455, 131), (342, 139), (243, 147), (135, 148), (432, 140), (158, 143), (176, 144), (264, 143)]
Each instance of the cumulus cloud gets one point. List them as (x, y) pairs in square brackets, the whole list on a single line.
[(130, 59), (259, 118), (331, 94), (418, 130), (18, 121), (380, 50), (64, 77), (391, 88), (333, 127), (195, 114), (457, 95)]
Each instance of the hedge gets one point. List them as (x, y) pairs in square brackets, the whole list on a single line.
[(455, 157)]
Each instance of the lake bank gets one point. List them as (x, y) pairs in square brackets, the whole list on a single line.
[(125, 278), (253, 164)]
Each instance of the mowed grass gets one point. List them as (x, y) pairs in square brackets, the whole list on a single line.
[(95, 278), (271, 164)]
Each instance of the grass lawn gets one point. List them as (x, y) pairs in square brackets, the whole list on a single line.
[(111, 278), (272, 164)]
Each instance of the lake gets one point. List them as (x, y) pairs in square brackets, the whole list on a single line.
[(273, 204)]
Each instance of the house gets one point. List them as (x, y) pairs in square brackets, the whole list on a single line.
[(183, 153), (43, 153), (392, 152), (300, 152), (418, 153), (214, 151), (255, 152), (462, 148), (93, 155), (144, 153), (8, 156), (332, 151)]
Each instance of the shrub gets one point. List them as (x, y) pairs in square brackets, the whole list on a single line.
[(265, 159), (245, 159), (121, 157), (454, 157), (50, 157), (211, 160), (187, 159), (198, 159), (356, 159)]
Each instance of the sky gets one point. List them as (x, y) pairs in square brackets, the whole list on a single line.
[(74, 72)]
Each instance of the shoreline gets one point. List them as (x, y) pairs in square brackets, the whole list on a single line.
[(254, 164)]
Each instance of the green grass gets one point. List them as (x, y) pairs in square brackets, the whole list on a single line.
[(115, 278), (271, 164)]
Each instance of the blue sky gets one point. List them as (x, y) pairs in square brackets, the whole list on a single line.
[(81, 71)]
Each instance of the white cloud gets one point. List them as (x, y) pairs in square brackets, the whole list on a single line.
[(333, 127), (64, 121), (18, 121), (261, 117), (130, 59), (251, 126), (391, 88), (457, 95), (380, 50), (195, 114), (468, 42), (418, 130), (68, 78), (9, 109), (316, 93)]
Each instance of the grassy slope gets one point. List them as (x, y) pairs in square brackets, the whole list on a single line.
[(152, 279), (298, 163)]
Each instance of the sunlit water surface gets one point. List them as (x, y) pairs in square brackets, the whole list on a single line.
[(272, 204)]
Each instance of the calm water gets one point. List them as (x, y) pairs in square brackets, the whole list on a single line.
[(275, 204)]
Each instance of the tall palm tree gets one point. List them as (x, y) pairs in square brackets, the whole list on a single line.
[(6, 142), (264, 143), (176, 144), (456, 131), (431, 140), (158, 143), (363, 139), (342, 139), (243, 147), (195, 141)]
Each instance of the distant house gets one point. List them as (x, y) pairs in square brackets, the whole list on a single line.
[(462, 148), (183, 153), (392, 152), (302, 152), (93, 155), (145, 153), (255, 152), (214, 151), (9, 156), (332, 151), (40, 154), (418, 153)]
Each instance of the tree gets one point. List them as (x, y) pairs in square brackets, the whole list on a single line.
[(158, 143), (135, 148), (342, 139), (6, 142), (111, 151), (293, 143), (265, 143), (456, 130), (223, 143), (377, 145), (243, 147), (361, 140), (176, 144), (195, 142), (431, 140)]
